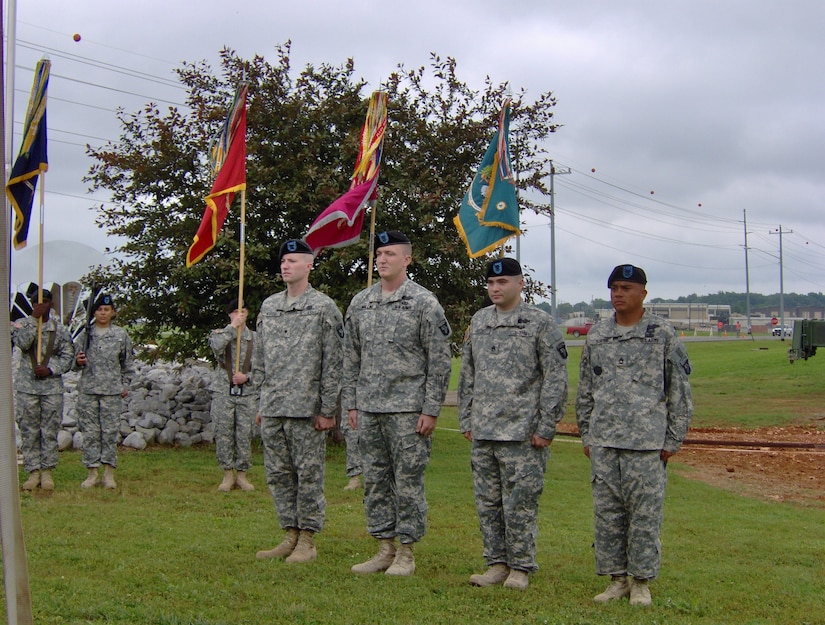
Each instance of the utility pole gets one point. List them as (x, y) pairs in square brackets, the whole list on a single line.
[(553, 172), (780, 232), (747, 278)]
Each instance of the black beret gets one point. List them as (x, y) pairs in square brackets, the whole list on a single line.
[(232, 306), (294, 246), (31, 293), (103, 300), (390, 237), (503, 267), (627, 273)]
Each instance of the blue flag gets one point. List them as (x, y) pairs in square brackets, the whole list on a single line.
[(32, 159), (489, 213)]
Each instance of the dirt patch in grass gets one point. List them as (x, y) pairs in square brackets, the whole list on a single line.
[(773, 463), (784, 464)]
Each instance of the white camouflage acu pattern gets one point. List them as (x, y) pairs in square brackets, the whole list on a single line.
[(633, 401), (233, 416), (396, 351), (513, 381), (108, 372), (111, 362), (353, 461), (396, 367), (296, 365), (634, 391), (39, 402), (513, 384)]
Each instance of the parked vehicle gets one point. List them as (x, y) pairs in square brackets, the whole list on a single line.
[(578, 331), (782, 331)]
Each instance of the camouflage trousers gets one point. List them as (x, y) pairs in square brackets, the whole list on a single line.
[(39, 419), (628, 496), (232, 418), (351, 440), (99, 419), (295, 465), (394, 458), (508, 480)]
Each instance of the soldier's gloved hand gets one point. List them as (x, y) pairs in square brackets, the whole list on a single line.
[(41, 372), (39, 310)]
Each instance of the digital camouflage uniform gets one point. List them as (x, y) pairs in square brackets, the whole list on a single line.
[(107, 373), (39, 402), (396, 368), (233, 415), (513, 384), (633, 402), (353, 461), (297, 366)]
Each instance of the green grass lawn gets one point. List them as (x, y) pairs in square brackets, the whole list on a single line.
[(166, 548)]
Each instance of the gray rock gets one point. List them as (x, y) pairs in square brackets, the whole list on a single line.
[(135, 440), (64, 440)]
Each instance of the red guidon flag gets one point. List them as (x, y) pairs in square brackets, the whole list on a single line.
[(228, 159), (341, 222)]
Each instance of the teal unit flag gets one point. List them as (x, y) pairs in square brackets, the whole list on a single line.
[(489, 213)]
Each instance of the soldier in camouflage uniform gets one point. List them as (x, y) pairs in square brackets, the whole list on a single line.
[(39, 390), (512, 392), (234, 398), (104, 354), (633, 409), (297, 365), (396, 371)]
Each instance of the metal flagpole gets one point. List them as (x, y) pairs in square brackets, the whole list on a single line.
[(15, 569)]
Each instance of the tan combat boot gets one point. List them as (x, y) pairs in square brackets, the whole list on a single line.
[(46, 481), (494, 575), (404, 563), (354, 483), (305, 548), (639, 592), (33, 481), (93, 478), (619, 587), (381, 561), (109, 476), (517, 579), (242, 482), (286, 547), (228, 481)]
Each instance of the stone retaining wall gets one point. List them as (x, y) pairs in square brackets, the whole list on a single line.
[(167, 404)]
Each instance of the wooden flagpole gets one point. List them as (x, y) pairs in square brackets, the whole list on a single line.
[(373, 209), (241, 279), (40, 265)]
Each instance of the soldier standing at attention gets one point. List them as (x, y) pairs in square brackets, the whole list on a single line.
[(39, 390), (234, 398), (396, 371), (512, 392), (633, 409), (104, 352), (297, 365)]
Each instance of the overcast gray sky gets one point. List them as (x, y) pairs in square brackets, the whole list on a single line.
[(676, 116)]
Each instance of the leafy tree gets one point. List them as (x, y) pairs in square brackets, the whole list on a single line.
[(301, 147)]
